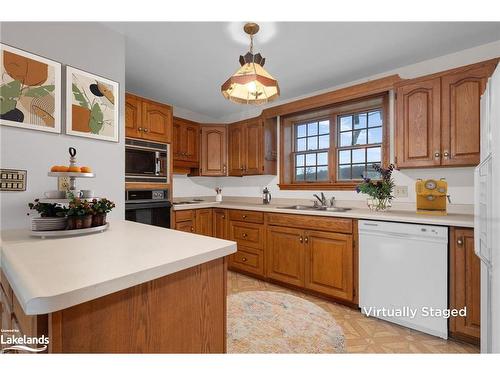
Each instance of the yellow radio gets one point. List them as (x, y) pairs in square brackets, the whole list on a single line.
[(431, 196)]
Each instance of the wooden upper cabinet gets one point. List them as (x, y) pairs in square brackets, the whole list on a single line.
[(329, 263), (213, 150), (418, 131), (157, 121), (236, 149), (146, 119), (461, 98), (253, 148), (438, 117), (186, 143), (465, 284), (285, 255), (133, 116)]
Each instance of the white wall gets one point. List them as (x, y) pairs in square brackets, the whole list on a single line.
[(460, 180), (88, 46)]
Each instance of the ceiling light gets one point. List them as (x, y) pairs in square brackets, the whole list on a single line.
[(251, 84)]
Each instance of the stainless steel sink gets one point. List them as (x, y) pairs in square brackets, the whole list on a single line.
[(300, 207)]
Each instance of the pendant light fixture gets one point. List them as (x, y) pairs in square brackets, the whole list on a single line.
[(251, 84)]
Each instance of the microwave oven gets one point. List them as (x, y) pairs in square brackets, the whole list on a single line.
[(146, 161)]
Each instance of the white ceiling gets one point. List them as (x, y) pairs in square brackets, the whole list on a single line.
[(184, 63)]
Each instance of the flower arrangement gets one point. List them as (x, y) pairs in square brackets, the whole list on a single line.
[(100, 208), (79, 214), (47, 209), (380, 190)]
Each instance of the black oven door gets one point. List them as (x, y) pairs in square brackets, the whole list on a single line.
[(153, 213)]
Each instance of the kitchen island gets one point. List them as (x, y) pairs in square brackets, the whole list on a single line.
[(134, 288)]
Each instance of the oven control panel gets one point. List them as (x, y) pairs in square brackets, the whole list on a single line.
[(158, 194)]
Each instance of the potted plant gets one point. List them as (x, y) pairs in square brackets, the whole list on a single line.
[(379, 190), (79, 214), (99, 209), (52, 216)]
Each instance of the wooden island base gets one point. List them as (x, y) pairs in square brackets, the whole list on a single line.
[(180, 313)]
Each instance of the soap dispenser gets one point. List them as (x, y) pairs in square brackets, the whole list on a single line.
[(266, 196)]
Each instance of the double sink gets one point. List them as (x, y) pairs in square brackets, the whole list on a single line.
[(300, 207)]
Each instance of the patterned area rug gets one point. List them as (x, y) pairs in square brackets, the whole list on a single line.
[(270, 322)]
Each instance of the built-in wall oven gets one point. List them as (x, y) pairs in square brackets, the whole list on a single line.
[(146, 161), (148, 207)]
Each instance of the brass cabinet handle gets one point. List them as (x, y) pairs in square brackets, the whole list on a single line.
[(224, 169), (437, 154), (244, 216), (460, 241), (244, 259), (244, 235), (140, 129), (446, 154), (145, 130), (301, 239), (306, 240), (192, 229), (223, 216)]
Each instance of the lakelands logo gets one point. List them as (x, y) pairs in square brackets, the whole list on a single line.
[(409, 312), (12, 342)]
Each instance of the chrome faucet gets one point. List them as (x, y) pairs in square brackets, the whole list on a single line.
[(323, 201)]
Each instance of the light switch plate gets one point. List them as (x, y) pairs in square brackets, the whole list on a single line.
[(401, 191), (13, 179)]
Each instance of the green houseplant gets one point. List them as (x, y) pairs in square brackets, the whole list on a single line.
[(47, 209), (100, 208), (380, 191), (79, 214)]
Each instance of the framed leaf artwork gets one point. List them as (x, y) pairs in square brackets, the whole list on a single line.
[(30, 90), (91, 105)]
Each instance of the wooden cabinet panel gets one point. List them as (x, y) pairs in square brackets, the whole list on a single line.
[(133, 115), (192, 143), (213, 150), (177, 138), (204, 221), (236, 150), (465, 284), (220, 223), (418, 137), (186, 145), (285, 255), (253, 163), (247, 234), (248, 260), (184, 215), (311, 222), (329, 263), (5, 312), (461, 96), (185, 226), (247, 216), (157, 122)]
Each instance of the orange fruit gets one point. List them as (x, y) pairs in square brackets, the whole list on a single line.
[(63, 168), (54, 168), (74, 169), (86, 170)]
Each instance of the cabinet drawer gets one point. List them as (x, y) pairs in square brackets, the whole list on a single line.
[(184, 215), (248, 260), (330, 224), (247, 234), (6, 289), (247, 216)]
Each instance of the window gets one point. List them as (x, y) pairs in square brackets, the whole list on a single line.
[(332, 148), (312, 143), (359, 144)]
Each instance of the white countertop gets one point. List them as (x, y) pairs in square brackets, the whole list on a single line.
[(48, 275), (404, 216)]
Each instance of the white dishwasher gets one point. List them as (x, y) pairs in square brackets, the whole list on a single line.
[(403, 274)]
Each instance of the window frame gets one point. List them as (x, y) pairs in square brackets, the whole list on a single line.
[(287, 142)]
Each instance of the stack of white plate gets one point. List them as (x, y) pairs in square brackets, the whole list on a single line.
[(48, 223)]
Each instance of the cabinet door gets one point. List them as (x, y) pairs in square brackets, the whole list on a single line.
[(329, 263), (461, 103), (236, 149), (285, 255), (192, 136), (465, 280), (157, 122), (220, 225), (177, 139), (418, 133), (185, 226), (253, 162), (204, 221), (133, 116), (213, 150)]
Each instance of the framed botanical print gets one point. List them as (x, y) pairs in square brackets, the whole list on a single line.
[(30, 90), (91, 105)]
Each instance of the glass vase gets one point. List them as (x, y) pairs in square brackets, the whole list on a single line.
[(379, 204)]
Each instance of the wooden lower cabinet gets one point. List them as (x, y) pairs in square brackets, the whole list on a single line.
[(185, 226), (329, 263), (204, 221), (465, 285), (194, 221), (286, 255), (248, 260), (220, 223)]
